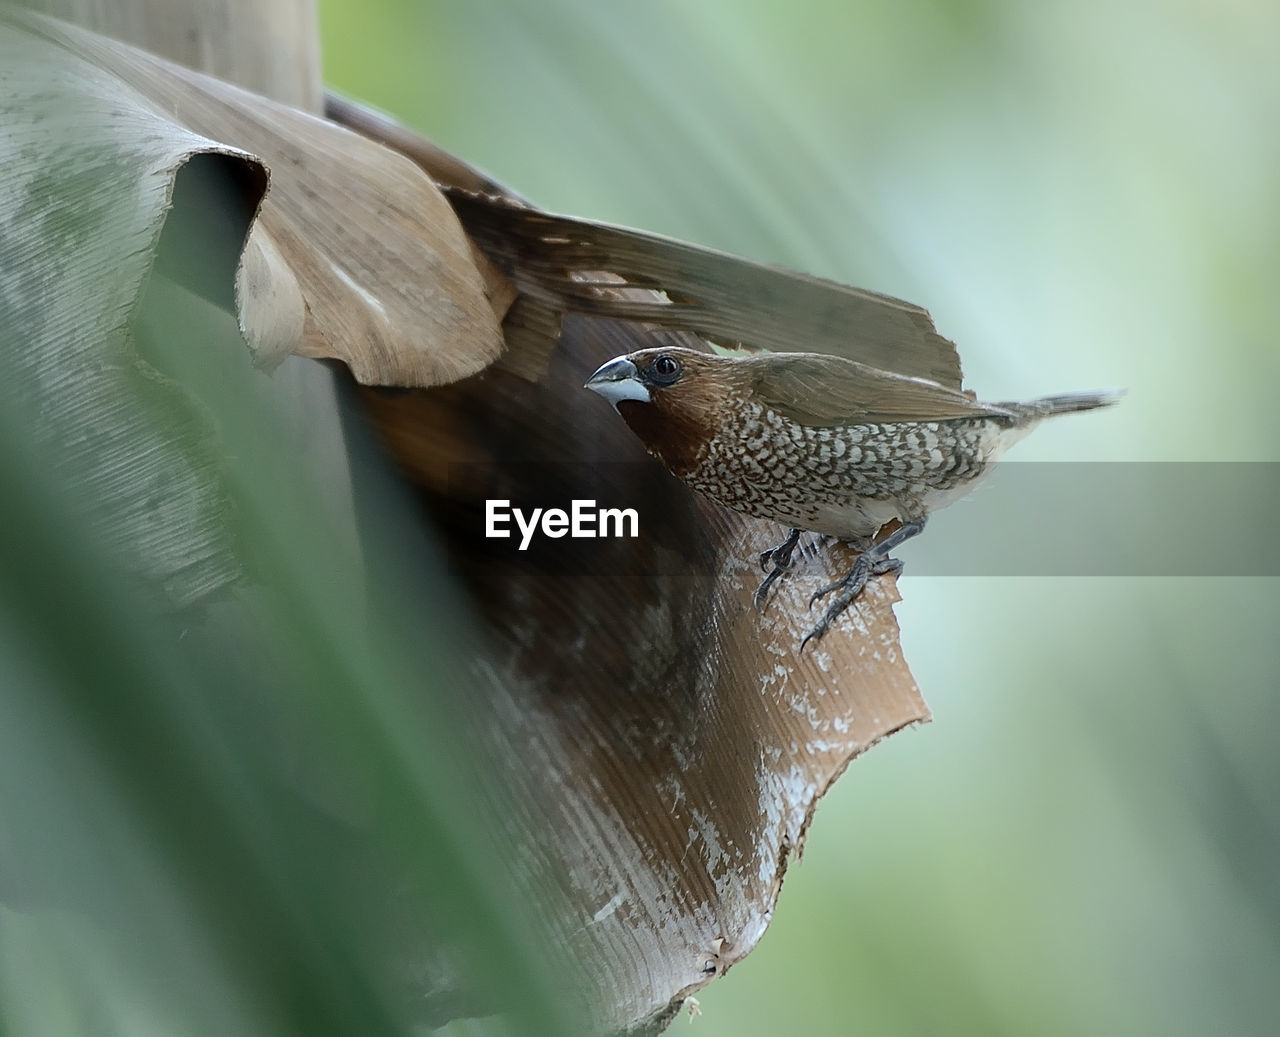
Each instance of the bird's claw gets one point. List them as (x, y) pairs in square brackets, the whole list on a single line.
[(762, 591), (853, 581), (850, 586), (781, 558), (816, 632)]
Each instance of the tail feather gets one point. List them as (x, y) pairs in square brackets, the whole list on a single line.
[(1067, 403)]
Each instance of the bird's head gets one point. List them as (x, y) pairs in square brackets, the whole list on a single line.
[(671, 397)]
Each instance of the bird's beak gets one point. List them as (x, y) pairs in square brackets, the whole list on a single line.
[(619, 380)]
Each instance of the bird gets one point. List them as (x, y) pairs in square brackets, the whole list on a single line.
[(819, 443)]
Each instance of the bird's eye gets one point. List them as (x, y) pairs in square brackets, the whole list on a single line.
[(664, 370)]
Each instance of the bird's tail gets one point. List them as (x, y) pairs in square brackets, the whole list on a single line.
[(1048, 406)]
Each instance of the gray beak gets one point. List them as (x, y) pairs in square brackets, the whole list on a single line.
[(619, 380)]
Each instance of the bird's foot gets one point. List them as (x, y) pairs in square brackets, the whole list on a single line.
[(849, 587), (875, 561), (781, 558)]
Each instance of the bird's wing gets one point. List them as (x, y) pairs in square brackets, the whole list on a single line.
[(821, 391)]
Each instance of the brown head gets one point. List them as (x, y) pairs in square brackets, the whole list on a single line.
[(671, 397)]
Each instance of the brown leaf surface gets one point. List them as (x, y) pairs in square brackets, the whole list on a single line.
[(674, 741), (388, 282), (733, 302), (565, 264)]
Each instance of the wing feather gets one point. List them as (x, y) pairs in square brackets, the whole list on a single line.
[(819, 390)]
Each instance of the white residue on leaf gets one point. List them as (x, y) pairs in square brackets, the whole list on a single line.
[(608, 908), (370, 300), (784, 801), (823, 746)]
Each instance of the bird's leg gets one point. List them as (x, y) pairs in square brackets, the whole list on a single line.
[(875, 561), (781, 558)]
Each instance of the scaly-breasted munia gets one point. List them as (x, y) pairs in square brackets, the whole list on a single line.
[(818, 443)]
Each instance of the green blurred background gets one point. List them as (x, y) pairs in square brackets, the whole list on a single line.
[(1084, 194)]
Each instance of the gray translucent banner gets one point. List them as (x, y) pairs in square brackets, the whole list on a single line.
[(1099, 519), (1026, 519)]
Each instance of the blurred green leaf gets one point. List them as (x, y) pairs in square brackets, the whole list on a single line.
[(248, 806)]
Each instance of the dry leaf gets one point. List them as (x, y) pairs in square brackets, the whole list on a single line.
[(566, 264), (388, 280), (89, 171), (721, 298), (673, 740)]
